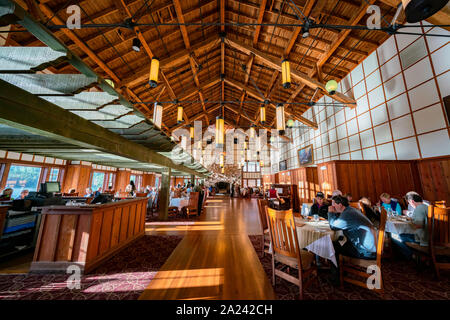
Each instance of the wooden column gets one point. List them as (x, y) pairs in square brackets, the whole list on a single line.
[(192, 179), (164, 194)]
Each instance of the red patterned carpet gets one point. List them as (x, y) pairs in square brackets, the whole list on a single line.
[(124, 277), (402, 281)]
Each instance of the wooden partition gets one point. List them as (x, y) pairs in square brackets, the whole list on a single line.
[(435, 178), (86, 235), (308, 183), (369, 178), (77, 177)]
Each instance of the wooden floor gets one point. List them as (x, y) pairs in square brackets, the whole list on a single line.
[(215, 259)]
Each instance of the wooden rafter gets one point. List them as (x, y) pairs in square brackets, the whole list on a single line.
[(262, 9)]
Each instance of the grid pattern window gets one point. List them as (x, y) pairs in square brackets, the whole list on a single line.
[(111, 180), (23, 177), (54, 173), (98, 179)]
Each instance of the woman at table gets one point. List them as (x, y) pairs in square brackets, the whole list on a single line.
[(320, 206), (390, 204), (89, 193)]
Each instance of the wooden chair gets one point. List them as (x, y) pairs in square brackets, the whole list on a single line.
[(262, 204), (440, 204), (359, 267), (172, 212), (354, 204), (286, 250), (439, 238), (192, 207)]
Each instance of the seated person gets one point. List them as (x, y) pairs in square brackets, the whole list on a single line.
[(273, 194), (24, 193), (410, 208), (72, 191), (98, 192), (88, 193), (419, 223), (336, 193), (320, 206), (349, 197), (374, 216), (390, 204), (6, 194), (359, 231)]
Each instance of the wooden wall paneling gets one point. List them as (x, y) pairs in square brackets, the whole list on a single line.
[(122, 180), (80, 247), (378, 180), (66, 237), (51, 232), (115, 233), (137, 220), (435, 178), (131, 220), (124, 223), (105, 236), (94, 241)]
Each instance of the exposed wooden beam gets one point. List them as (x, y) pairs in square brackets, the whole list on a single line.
[(307, 80), (306, 11), (262, 9), (257, 96)]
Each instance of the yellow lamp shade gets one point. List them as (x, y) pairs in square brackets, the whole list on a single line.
[(180, 114), (110, 82), (261, 163), (191, 132), (245, 145), (221, 160), (252, 131), (223, 170), (157, 115), (154, 71), (290, 123), (286, 74), (219, 132), (281, 127), (262, 114), (331, 86)]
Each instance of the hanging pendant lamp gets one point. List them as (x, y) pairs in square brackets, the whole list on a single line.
[(154, 71), (262, 114), (180, 114), (286, 74), (418, 10), (281, 124), (219, 131), (331, 86)]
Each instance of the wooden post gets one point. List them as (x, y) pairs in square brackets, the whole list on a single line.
[(164, 194), (193, 179)]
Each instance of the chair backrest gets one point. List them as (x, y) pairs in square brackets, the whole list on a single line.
[(380, 235), (205, 195), (354, 204), (440, 204), (362, 208), (193, 199), (262, 204), (73, 194), (439, 225), (282, 233)]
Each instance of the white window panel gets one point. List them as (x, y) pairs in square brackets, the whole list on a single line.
[(444, 84), (343, 146), (354, 142), (398, 106), (362, 105), (345, 156), (394, 87), (435, 144), (428, 119), (441, 59), (407, 149), (402, 127), (423, 95), (390, 69), (367, 138), (435, 43), (370, 63), (376, 97), (357, 75), (356, 155), (379, 115), (373, 81), (359, 90), (341, 131), (352, 127), (364, 121), (382, 134), (370, 154), (334, 149), (387, 50), (418, 73), (403, 40), (386, 151)]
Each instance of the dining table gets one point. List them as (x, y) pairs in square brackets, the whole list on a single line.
[(179, 202), (317, 237), (399, 225)]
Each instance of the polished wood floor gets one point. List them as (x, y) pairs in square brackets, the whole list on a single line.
[(215, 259)]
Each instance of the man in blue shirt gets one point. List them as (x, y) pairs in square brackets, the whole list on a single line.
[(359, 232)]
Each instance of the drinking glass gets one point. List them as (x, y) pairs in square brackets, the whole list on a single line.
[(316, 218)]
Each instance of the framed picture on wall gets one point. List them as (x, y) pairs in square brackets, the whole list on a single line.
[(306, 156)]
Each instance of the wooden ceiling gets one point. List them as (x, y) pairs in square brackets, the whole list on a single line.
[(193, 57)]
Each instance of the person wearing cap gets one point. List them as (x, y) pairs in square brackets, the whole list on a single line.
[(320, 206)]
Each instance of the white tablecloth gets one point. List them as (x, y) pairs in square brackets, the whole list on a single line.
[(399, 226), (179, 202)]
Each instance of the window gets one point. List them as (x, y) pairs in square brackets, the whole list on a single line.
[(251, 167), (111, 180), (53, 174), (133, 178), (22, 177), (97, 180)]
